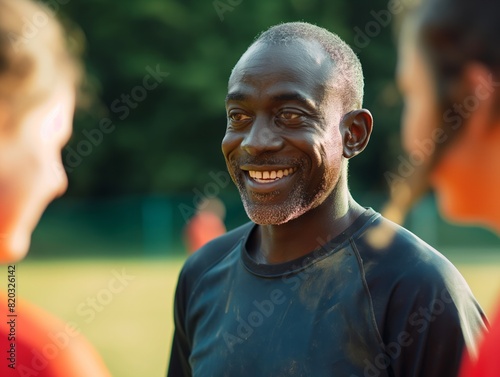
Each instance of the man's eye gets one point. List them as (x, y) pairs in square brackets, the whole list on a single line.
[(238, 117), (291, 117), (287, 115)]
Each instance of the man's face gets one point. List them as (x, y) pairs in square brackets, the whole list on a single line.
[(283, 147)]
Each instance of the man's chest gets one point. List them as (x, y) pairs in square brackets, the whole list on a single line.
[(317, 322)]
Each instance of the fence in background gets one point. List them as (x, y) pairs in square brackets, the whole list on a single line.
[(153, 226)]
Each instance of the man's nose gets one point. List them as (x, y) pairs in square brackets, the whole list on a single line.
[(262, 137)]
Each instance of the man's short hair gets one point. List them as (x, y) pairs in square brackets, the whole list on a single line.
[(348, 67)]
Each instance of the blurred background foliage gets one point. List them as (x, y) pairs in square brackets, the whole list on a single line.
[(139, 157), (171, 139)]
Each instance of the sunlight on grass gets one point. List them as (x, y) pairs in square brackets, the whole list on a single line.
[(484, 281), (131, 329)]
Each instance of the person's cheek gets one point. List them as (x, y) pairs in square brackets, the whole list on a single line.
[(418, 126), (410, 129), (55, 176), (53, 134)]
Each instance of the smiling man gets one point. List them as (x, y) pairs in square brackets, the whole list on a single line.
[(315, 285)]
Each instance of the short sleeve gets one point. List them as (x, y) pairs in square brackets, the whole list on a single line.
[(431, 319)]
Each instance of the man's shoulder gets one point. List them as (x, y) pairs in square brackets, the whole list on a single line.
[(392, 246), (403, 274), (215, 250)]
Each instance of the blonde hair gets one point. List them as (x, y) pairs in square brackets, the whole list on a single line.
[(34, 56)]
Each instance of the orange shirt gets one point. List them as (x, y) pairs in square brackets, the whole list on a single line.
[(488, 362), (33, 343)]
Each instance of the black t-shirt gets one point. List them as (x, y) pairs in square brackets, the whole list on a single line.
[(374, 301)]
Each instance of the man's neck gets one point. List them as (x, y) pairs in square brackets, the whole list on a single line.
[(274, 244)]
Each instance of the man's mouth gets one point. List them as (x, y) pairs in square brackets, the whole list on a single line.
[(269, 176)]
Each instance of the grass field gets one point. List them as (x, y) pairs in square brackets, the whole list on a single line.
[(132, 328)]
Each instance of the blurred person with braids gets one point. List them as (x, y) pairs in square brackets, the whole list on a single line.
[(449, 73), (38, 83)]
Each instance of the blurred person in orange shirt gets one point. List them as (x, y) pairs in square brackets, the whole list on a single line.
[(38, 83), (206, 225), (449, 73)]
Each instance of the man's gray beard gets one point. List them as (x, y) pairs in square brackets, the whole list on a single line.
[(275, 214), (297, 203)]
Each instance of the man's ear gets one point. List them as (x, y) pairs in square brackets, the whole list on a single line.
[(356, 128)]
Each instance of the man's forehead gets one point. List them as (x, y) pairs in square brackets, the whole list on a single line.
[(283, 92), (298, 46), (291, 61)]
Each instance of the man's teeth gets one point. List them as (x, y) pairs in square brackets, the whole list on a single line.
[(270, 175)]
